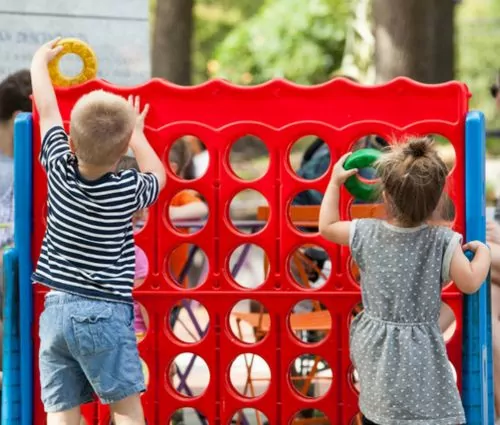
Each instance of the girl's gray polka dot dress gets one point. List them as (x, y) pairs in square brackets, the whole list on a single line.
[(396, 344)]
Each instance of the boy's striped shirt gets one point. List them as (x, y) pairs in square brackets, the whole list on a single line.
[(88, 248)]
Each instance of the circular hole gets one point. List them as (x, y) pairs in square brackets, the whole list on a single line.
[(304, 198), (445, 212), (249, 321), (189, 375), (145, 371), (361, 209), (354, 379), (445, 150), (248, 211), (186, 265), (368, 174), (201, 157), (447, 322), (250, 375), (45, 209), (249, 158), (187, 415), (370, 141), (358, 308), (453, 371), (248, 266), (141, 267), (303, 219), (70, 65), (357, 420), (310, 266), (139, 219), (141, 321), (183, 161), (354, 271), (249, 416), (310, 415), (310, 375), (188, 211), (188, 320), (310, 157), (310, 321)]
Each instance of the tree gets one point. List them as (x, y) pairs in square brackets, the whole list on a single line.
[(302, 41), (172, 41), (478, 47), (414, 38)]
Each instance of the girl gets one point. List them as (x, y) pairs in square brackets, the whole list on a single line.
[(396, 344)]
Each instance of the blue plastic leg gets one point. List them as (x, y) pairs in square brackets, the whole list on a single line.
[(477, 368), (11, 385), (23, 194)]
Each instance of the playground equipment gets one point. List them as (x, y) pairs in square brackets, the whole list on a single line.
[(279, 113)]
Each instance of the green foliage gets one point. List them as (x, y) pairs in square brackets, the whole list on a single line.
[(245, 7), (478, 50), (213, 20), (302, 41), (212, 24)]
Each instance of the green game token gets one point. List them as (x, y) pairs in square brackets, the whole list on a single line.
[(362, 159)]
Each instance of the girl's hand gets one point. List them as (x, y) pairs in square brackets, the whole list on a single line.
[(473, 246), (340, 174), (135, 102)]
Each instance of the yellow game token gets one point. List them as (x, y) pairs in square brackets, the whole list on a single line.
[(86, 54)]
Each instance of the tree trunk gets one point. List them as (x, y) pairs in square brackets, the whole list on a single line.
[(172, 41), (414, 38), (444, 40)]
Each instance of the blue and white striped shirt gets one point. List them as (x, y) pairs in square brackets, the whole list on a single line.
[(88, 248)]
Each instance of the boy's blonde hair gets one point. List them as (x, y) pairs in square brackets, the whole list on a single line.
[(101, 127)]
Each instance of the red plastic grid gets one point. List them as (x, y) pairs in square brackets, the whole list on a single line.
[(279, 113)]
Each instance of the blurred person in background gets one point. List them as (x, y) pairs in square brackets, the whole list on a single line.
[(493, 239), (15, 92)]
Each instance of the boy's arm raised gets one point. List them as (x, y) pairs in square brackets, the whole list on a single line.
[(43, 92), (144, 154)]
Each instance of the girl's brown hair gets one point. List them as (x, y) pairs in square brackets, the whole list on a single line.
[(413, 178)]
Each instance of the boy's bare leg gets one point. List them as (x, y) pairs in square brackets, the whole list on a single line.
[(128, 411), (67, 417)]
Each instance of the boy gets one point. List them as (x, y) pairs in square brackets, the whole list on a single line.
[(87, 340)]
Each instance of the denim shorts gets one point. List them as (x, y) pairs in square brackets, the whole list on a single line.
[(88, 348)]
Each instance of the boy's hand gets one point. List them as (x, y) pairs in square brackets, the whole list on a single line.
[(48, 51), (473, 246), (340, 174), (140, 116)]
